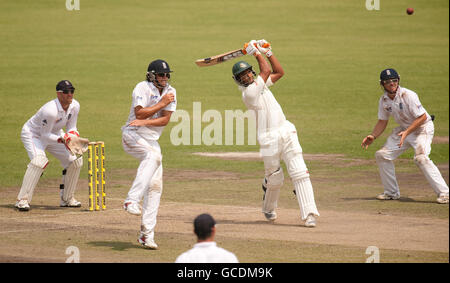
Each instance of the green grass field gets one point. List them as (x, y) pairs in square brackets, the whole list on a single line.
[(332, 53)]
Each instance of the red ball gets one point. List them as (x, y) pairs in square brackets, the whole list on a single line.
[(410, 11)]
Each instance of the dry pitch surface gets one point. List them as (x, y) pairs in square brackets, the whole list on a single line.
[(413, 229)]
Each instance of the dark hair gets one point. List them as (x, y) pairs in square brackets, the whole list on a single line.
[(203, 225)]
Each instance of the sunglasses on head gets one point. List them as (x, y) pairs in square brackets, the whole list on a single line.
[(162, 75), (390, 81)]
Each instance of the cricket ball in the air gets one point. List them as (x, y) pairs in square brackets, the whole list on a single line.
[(410, 11)]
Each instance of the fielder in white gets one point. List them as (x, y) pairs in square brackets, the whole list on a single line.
[(206, 249), (153, 102), (416, 130), (276, 135), (44, 132)]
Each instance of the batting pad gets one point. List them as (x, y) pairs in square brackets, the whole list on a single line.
[(305, 197), (71, 178), (34, 171), (273, 185)]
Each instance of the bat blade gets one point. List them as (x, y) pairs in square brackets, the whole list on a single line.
[(214, 60)]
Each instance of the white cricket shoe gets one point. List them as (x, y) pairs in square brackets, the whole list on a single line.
[(384, 196), (132, 208), (442, 199), (71, 203), (147, 242), (310, 221), (22, 205), (271, 216)]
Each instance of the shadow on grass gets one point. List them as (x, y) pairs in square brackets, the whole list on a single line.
[(259, 222), (402, 199), (41, 207), (116, 246)]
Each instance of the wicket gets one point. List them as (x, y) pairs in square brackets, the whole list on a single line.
[(96, 175)]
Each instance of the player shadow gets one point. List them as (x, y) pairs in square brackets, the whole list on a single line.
[(114, 245), (38, 207), (401, 199), (258, 222)]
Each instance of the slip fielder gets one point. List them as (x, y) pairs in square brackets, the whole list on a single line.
[(43, 132), (153, 102), (416, 130), (276, 135)]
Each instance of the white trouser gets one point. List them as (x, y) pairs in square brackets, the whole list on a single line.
[(421, 143), (36, 148), (282, 143), (148, 182)]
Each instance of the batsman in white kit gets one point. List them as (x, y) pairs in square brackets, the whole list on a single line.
[(153, 102), (276, 135), (416, 130), (44, 132)]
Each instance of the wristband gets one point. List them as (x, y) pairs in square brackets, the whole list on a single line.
[(269, 53)]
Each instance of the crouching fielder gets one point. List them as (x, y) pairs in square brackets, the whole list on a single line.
[(277, 136), (416, 130), (43, 132), (153, 102)]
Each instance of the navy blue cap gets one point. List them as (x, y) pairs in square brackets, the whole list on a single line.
[(64, 85)]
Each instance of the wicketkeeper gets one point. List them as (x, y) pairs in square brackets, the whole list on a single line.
[(416, 130), (44, 132), (276, 135)]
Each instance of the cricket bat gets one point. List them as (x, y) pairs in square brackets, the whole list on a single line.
[(214, 60), (210, 61)]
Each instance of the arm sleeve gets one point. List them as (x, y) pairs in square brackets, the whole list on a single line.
[(139, 97), (72, 122), (414, 104), (269, 82), (382, 113), (46, 129), (173, 105)]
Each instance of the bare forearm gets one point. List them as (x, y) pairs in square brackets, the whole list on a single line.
[(158, 122), (379, 128), (417, 123), (276, 66), (147, 112), (264, 68)]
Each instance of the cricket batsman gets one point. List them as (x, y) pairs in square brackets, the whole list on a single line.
[(416, 130), (44, 132), (153, 102), (276, 135)]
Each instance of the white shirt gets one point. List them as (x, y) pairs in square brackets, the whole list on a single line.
[(405, 107), (145, 94), (48, 122), (259, 98), (207, 252)]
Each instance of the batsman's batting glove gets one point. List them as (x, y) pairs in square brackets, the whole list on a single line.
[(264, 47), (251, 48)]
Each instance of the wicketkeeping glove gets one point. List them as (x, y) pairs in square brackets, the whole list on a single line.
[(251, 48), (77, 145)]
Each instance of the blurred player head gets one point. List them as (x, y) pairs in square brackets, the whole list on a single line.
[(158, 73), (389, 80), (204, 227), (243, 73)]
